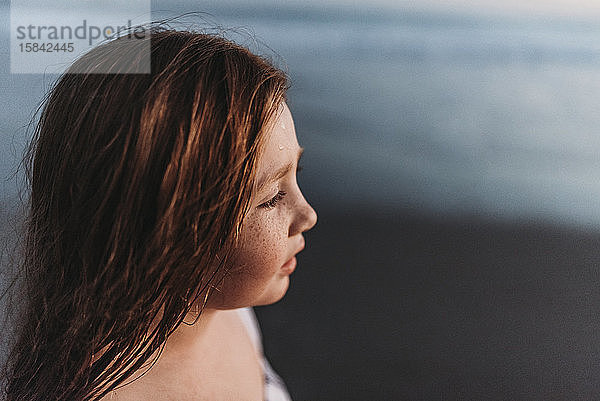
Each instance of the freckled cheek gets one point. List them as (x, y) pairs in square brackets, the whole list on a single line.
[(272, 243), (264, 244)]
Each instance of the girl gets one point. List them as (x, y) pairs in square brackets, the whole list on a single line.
[(162, 207)]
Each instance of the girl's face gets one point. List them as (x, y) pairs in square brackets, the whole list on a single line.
[(271, 233)]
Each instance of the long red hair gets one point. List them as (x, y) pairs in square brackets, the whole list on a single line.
[(139, 184)]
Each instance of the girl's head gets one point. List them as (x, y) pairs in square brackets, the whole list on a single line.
[(272, 229), (150, 194)]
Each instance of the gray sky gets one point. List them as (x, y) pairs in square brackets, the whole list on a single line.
[(571, 8), (545, 7)]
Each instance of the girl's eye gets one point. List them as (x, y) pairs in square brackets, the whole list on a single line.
[(271, 203)]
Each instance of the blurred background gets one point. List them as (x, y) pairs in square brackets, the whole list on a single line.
[(452, 154)]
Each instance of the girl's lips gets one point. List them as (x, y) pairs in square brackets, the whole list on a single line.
[(289, 266)]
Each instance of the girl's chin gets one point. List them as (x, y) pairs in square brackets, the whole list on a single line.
[(274, 292)]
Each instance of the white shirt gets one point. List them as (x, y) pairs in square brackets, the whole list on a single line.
[(274, 388)]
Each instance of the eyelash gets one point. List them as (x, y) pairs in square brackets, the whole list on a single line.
[(271, 203)]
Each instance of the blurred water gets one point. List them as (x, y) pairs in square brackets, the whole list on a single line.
[(433, 112)]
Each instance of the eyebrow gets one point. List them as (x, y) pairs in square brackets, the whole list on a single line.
[(279, 173)]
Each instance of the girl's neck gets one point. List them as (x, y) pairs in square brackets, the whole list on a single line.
[(202, 359), (197, 332)]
